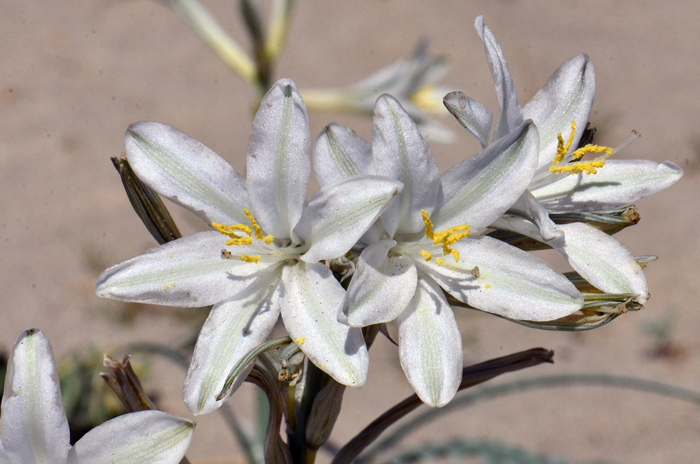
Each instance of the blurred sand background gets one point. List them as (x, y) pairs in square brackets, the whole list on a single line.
[(74, 75)]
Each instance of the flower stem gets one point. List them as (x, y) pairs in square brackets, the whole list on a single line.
[(313, 383)]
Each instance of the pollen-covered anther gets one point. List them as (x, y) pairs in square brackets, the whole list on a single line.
[(563, 149), (426, 254), (445, 237), (589, 167), (230, 231), (236, 239)]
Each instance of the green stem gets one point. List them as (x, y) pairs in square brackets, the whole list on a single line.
[(313, 383)]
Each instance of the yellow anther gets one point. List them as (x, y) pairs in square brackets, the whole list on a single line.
[(586, 166), (230, 230), (428, 224), (240, 241), (256, 227), (563, 149), (445, 237), (426, 254), (440, 261), (590, 148), (589, 167), (249, 258), (237, 239), (452, 238)]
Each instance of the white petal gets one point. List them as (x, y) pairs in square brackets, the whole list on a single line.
[(618, 183), (510, 116), (603, 261), (340, 153), (380, 288), (510, 282), (528, 228), (186, 172), (401, 153), (567, 96), (144, 437), (479, 189), (527, 207), (430, 345), (232, 329), (279, 159), (471, 114), (33, 424), (336, 216), (406, 75), (185, 272), (310, 306)]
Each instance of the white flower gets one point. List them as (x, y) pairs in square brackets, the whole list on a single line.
[(272, 244), (411, 80), (34, 428), (560, 110), (429, 238)]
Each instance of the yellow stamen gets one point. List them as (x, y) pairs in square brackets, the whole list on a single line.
[(249, 258), (445, 237), (426, 254), (589, 167), (590, 148), (258, 230), (428, 224), (562, 149), (230, 231)]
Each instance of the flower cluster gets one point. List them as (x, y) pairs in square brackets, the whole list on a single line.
[(411, 239)]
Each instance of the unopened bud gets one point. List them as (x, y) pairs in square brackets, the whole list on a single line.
[(122, 379), (147, 204), (324, 413)]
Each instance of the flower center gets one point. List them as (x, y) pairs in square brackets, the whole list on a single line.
[(424, 98), (445, 238), (233, 232), (589, 167)]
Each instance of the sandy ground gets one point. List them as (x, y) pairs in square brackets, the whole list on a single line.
[(73, 75)]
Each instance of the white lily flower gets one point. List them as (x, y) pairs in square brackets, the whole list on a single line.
[(274, 238), (412, 80), (34, 428), (563, 106), (400, 274)]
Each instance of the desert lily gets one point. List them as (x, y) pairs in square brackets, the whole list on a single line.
[(563, 183), (34, 428), (429, 240), (263, 258), (412, 80)]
